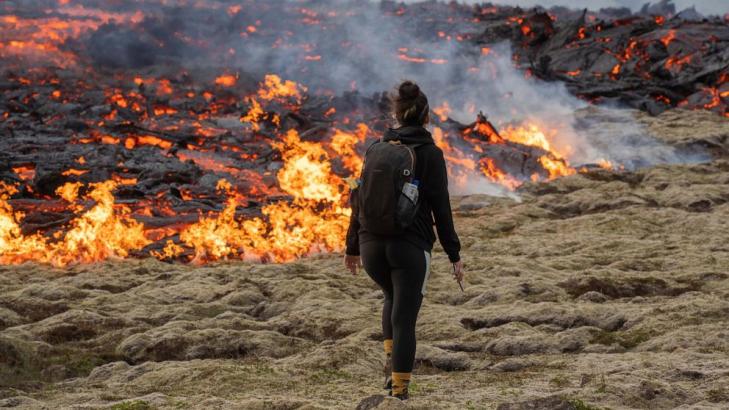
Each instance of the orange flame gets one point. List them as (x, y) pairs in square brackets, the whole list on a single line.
[(486, 129), (459, 165), (676, 62), (254, 115), (529, 134), (616, 70), (226, 80), (344, 143), (26, 173), (69, 191), (101, 232), (556, 167), (442, 111), (314, 221), (715, 98), (668, 38), (489, 168), (273, 88)]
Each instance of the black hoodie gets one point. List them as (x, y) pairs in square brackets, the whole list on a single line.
[(430, 170)]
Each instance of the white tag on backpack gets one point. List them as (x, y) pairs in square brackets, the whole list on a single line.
[(410, 191)]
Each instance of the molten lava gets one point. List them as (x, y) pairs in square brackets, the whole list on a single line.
[(314, 221), (101, 231), (192, 167)]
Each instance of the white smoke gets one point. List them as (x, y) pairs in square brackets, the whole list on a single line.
[(478, 184), (705, 7), (470, 81), (582, 133)]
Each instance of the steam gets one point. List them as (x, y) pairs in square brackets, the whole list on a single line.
[(705, 7), (477, 184)]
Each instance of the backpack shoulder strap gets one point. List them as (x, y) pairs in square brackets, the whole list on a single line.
[(412, 147), (372, 145), (364, 157)]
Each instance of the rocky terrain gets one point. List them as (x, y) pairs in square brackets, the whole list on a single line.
[(599, 290)]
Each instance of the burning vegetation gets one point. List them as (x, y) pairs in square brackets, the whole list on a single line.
[(109, 156)]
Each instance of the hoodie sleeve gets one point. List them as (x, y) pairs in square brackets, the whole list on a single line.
[(439, 200), (352, 242)]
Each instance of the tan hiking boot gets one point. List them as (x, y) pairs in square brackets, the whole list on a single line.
[(400, 383), (403, 394)]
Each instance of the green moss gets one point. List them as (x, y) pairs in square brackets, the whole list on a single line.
[(132, 405), (578, 404), (628, 340), (25, 367), (261, 368), (79, 362), (605, 338), (181, 405), (718, 395), (81, 365), (633, 339), (413, 387), (208, 310), (602, 388), (19, 364), (325, 376), (559, 381)]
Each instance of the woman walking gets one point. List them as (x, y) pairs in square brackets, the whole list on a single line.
[(393, 246)]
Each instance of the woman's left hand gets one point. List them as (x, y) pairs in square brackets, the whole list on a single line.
[(352, 262)]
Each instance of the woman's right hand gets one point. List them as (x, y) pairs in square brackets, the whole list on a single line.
[(352, 262), (458, 271)]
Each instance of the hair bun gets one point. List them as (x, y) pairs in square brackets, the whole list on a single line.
[(409, 104), (408, 90)]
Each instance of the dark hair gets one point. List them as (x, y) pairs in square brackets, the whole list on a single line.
[(409, 104)]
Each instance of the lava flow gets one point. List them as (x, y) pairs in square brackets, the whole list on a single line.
[(310, 216), (127, 133)]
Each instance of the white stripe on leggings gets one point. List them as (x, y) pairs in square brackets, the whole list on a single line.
[(427, 272)]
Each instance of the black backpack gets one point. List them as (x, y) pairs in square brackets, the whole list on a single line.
[(381, 205)]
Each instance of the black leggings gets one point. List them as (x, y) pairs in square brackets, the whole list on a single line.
[(401, 269)]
